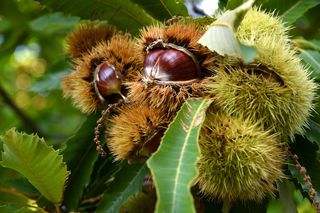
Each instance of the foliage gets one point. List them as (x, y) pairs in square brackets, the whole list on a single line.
[(173, 178), (40, 164), (33, 171)]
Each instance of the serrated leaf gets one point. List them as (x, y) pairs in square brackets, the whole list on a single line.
[(173, 165), (297, 10), (39, 163), (127, 182), (124, 14), (80, 156), (220, 37), (163, 9), (312, 59)]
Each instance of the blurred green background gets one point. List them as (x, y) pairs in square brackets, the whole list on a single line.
[(32, 61)]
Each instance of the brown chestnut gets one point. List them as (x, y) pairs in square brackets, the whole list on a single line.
[(169, 63), (106, 81)]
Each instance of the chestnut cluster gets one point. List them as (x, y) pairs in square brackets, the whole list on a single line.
[(256, 106)]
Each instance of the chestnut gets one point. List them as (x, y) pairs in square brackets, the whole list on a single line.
[(106, 81), (167, 63)]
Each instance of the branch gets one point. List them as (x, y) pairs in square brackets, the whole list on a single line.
[(28, 122)]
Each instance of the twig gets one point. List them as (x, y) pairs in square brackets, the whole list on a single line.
[(302, 170), (28, 122), (99, 124)]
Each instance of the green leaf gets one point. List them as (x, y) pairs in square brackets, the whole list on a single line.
[(173, 165), (39, 163), (313, 132), (80, 156), (103, 174), (275, 5), (17, 202), (22, 185), (127, 182), (54, 23), (232, 4), (222, 4), (8, 208), (163, 9), (297, 10), (11, 196), (124, 14), (303, 204), (312, 59)]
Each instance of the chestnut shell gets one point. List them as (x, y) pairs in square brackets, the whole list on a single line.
[(106, 81), (170, 65)]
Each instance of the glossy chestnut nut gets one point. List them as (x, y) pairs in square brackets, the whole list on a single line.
[(170, 64), (106, 81)]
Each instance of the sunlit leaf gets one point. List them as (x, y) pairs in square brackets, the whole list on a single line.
[(163, 9), (39, 163), (173, 165), (274, 206), (127, 182), (80, 156), (220, 37), (303, 203), (297, 10), (124, 14)]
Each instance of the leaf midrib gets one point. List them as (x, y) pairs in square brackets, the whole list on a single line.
[(182, 153), (126, 189), (167, 9)]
